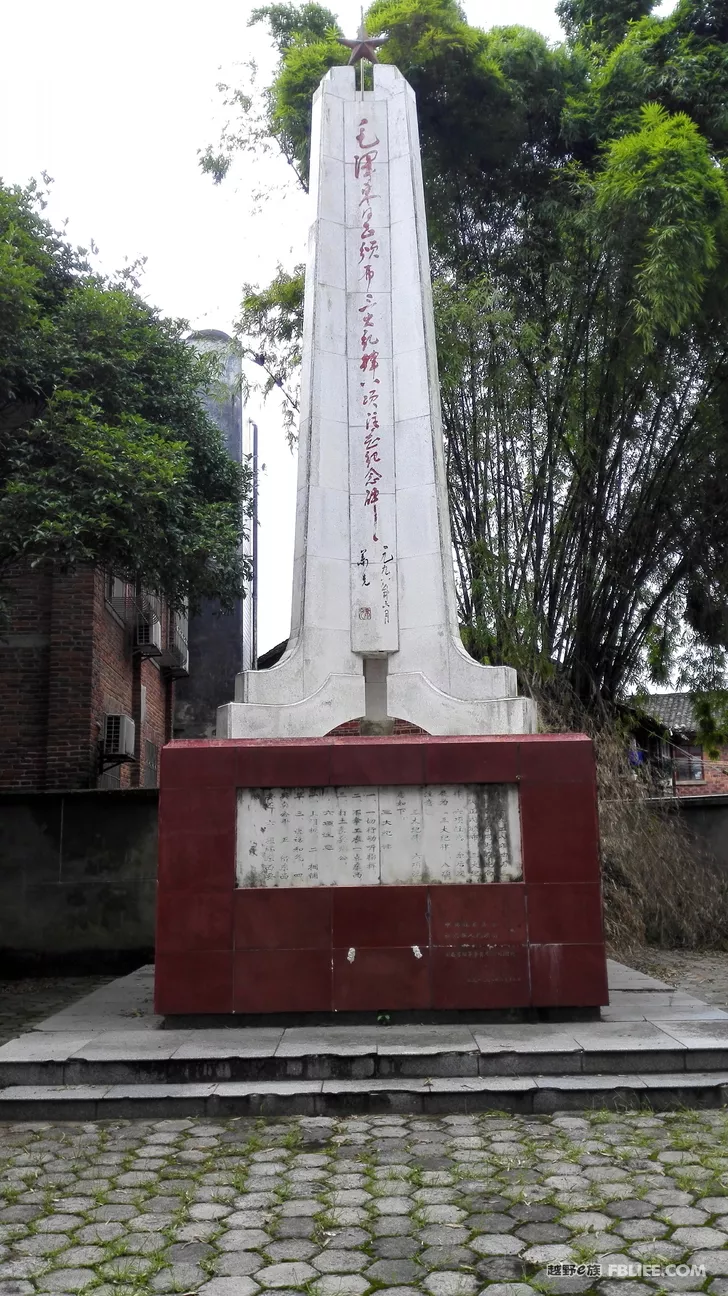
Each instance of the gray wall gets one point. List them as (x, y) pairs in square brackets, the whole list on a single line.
[(707, 818), (77, 876), (215, 639), (78, 873)]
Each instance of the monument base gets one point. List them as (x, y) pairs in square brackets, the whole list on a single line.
[(430, 923)]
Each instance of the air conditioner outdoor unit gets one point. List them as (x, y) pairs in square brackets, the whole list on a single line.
[(148, 638), (119, 737)]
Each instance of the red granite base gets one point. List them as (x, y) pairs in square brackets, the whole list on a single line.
[(225, 949)]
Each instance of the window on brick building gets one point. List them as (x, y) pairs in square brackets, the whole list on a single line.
[(115, 588), (110, 778), (118, 595), (688, 764), (151, 752)]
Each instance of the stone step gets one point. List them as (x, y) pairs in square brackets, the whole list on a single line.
[(159, 1058), (524, 1094)]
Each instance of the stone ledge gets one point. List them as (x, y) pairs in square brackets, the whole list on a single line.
[(135, 1061), (523, 1094)]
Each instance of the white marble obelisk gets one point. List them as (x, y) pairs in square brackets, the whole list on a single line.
[(374, 625)]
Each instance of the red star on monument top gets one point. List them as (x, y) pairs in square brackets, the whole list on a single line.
[(364, 47)]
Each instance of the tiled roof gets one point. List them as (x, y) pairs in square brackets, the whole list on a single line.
[(673, 710)]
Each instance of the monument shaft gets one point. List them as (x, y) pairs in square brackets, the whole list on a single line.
[(373, 570)]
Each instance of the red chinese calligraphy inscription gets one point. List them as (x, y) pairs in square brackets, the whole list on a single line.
[(373, 549)]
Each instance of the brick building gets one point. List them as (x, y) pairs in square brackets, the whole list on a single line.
[(672, 749), (85, 647), (81, 648)]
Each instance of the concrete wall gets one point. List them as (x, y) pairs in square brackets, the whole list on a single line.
[(78, 872), (215, 639), (707, 818), (216, 657), (77, 876)]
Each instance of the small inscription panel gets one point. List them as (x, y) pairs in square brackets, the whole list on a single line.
[(364, 836)]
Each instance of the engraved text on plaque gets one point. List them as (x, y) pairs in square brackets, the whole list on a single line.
[(364, 836)]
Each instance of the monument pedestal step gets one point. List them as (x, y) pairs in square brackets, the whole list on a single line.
[(363, 1055), (108, 1056), (524, 1094)]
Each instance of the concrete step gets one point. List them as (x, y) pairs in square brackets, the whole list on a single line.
[(109, 1056), (144, 1057), (525, 1094)]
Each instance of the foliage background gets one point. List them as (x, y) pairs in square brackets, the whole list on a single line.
[(577, 210), (107, 455)]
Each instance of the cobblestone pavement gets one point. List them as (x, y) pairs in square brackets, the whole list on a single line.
[(27, 1000), (450, 1206), (702, 973)]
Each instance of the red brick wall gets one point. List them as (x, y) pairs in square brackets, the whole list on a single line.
[(119, 677), (157, 725), (67, 662), (715, 778), (113, 668), (24, 653), (352, 729), (70, 746)]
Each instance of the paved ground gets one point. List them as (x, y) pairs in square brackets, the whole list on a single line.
[(704, 974), (27, 1000), (450, 1206), (414, 1206)]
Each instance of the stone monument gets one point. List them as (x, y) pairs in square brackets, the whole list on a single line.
[(454, 869), (374, 628)]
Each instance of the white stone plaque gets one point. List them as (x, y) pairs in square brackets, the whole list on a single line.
[(364, 836)]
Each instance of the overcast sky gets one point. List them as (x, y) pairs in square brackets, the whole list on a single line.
[(113, 101)]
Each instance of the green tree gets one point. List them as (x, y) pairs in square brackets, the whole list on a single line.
[(578, 216), (269, 334), (600, 21), (306, 38), (106, 453)]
